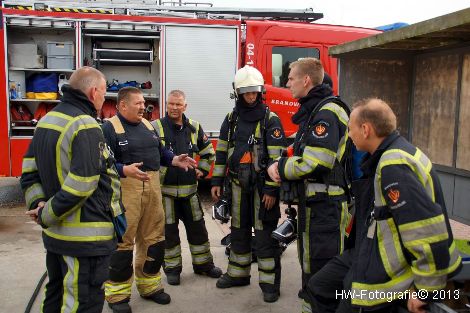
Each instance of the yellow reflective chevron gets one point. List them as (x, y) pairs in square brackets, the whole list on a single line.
[(197, 249), (173, 252), (70, 282), (179, 191), (112, 289), (169, 207), (242, 259), (366, 294), (236, 205), (390, 249), (236, 271), (338, 111), (311, 189), (219, 170), (196, 209), (271, 183), (92, 231), (195, 133), (422, 279), (173, 257), (205, 164), (201, 258), (148, 285), (80, 186), (418, 232), (33, 193), (321, 156), (267, 278), (274, 151), (64, 143), (418, 163), (417, 237), (266, 264), (48, 216), (221, 145), (116, 196), (207, 150), (157, 124), (29, 165)]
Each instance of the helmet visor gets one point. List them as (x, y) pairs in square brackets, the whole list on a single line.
[(243, 90)]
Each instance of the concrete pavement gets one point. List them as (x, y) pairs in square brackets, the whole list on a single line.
[(22, 263), (22, 259)]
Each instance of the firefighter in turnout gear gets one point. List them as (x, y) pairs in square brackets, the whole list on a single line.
[(138, 154), (403, 241), (72, 190), (179, 188), (318, 150), (250, 137)]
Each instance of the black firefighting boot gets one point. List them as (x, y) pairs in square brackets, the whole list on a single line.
[(302, 294), (160, 297), (214, 272), (270, 296), (173, 279), (120, 307), (226, 281)]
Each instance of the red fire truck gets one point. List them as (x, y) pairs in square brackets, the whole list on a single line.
[(157, 46)]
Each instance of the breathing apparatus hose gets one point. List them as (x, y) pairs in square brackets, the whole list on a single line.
[(35, 293)]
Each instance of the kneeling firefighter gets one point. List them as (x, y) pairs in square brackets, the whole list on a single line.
[(251, 137)]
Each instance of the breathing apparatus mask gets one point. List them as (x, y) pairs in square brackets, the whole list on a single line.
[(286, 233), (221, 211)]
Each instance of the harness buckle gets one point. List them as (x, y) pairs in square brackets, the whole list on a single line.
[(370, 218)]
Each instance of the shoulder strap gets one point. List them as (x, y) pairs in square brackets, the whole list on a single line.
[(169, 138), (123, 144), (157, 124), (148, 125), (116, 122), (335, 99), (232, 121), (264, 124)]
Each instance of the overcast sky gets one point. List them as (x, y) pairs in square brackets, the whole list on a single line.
[(364, 13)]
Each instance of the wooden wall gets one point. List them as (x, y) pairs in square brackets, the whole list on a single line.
[(434, 103), (463, 139), (388, 79)]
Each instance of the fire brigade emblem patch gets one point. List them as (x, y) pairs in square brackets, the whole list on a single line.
[(394, 195), (320, 130), (276, 134)]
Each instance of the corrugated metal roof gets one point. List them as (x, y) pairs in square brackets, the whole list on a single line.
[(448, 30)]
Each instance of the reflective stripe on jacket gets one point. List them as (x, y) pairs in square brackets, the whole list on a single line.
[(408, 241), (321, 145), (190, 139), (69, 166)]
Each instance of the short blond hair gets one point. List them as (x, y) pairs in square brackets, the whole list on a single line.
[(311, 67), (378, 113)]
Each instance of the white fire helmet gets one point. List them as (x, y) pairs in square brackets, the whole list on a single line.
[(248, 79)]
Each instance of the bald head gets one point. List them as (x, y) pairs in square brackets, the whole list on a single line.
[(378, 113), (85, 78), (92, 83)]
